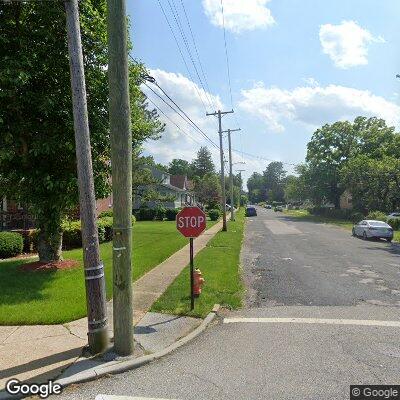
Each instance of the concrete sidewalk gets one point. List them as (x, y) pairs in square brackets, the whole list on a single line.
[(41, 352)]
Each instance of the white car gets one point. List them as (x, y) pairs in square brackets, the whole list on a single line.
[(373, 229), (394, 215)]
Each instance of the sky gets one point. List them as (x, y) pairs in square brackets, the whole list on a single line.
[(294, 66)]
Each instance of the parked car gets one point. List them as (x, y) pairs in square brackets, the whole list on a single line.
[(394, 215), (373, 229), (268, 206), (251, 211), (278, 208)]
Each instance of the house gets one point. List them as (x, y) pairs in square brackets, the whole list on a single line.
[(346, 200), (173, 191)]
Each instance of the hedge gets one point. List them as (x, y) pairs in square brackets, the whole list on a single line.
[(145, 214), (377, 215), (171, 213), (11, 244), (214, 214), (394, 223)]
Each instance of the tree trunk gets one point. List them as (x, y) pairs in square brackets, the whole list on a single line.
[(49, 244)]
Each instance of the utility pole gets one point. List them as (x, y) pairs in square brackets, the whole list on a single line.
[(93, 268), (121, 157), (230, 168), (220, 113)]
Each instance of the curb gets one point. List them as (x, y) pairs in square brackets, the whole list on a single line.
[(126, 364)]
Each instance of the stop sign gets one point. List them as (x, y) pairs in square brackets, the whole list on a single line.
[(191, 221)]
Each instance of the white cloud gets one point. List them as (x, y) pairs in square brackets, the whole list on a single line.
[(174, 143), (240, 15), (347, 43), (316, 105)]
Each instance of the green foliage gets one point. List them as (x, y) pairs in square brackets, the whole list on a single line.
[(394, 223), (208, 190), (11, 244), (145, 214), (37, 147), (333, 213), (214, 214), (160, 213), (243, 200), (108, 213), (171, 213), (356, 217), (203, 164), (377, 216), (180, 167)]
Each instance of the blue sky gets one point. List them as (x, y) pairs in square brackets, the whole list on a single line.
[(295, 65)]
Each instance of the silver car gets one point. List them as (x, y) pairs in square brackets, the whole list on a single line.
[(373, 229)]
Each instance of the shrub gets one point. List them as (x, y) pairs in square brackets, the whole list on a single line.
[(214, 214), (108, 213), (105, 227), (377, 215), (160, 213), (145, 214), (72, 234), (356, 217), (394, 223), (171, 213), (11, 244), (330, 212)]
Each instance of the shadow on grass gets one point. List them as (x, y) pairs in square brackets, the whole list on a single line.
[(17, 286)]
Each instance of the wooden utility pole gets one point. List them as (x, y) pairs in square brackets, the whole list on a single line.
[(229, 131), (220, 113), (121, 158), (93, 268)]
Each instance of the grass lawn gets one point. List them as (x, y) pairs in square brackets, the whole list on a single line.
[(57, 297), (306, 216), (219, 263)]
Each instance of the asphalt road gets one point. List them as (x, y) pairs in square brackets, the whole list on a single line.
[(298, 270)]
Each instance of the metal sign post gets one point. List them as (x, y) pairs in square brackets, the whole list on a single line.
[(191, 222)]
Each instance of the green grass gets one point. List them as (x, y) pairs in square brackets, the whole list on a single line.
[(306, 216), (58, 297), (219, 263)]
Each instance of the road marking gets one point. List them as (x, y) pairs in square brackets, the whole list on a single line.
[(280, 228), (324, 321)]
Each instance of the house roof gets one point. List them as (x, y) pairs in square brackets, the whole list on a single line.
[(179, 181)]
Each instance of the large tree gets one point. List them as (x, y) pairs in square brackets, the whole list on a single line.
[(274, 180), (180, 167), (203, 163), (37, 149)]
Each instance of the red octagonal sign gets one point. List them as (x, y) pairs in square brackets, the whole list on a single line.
[(191, 221)]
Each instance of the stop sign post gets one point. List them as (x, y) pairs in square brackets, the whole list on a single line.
[(191, 222)]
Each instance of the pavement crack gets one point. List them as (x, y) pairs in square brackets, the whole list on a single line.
[(15, 330)]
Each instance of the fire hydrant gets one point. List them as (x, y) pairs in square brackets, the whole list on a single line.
[(198, 282)]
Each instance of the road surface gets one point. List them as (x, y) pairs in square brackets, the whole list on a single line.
[(322, 312)]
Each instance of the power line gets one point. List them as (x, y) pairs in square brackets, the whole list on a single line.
[(197, 52), (263, 158), (181, 53), (226, 53), (177, 19)]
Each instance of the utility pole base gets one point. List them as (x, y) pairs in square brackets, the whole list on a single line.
[(98, 341)]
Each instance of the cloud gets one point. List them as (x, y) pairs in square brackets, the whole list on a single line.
[(315, 105), (240, 15), (174, 143), (347, 43)]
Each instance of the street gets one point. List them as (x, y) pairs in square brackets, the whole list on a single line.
[(342, 288)]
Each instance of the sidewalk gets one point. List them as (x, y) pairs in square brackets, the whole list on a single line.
[(41, 352)]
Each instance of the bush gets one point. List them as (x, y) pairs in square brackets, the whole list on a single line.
[(377, 215), (108, 213), (330, 212), (171, 213), (72, 234), (11, 244), (214, 214), (145, 214), (394, 223), (160, 213), (356, 217), (105, 227)]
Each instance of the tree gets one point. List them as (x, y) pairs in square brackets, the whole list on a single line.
[(208, 190), (333, 145), (37, 148), (256, 187), (274, 177), (203, 163), (180, 167)]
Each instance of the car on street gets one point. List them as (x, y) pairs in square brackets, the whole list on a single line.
[(394, 215), (278, 208), (268, 206), (373, 229), (251, 211)]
